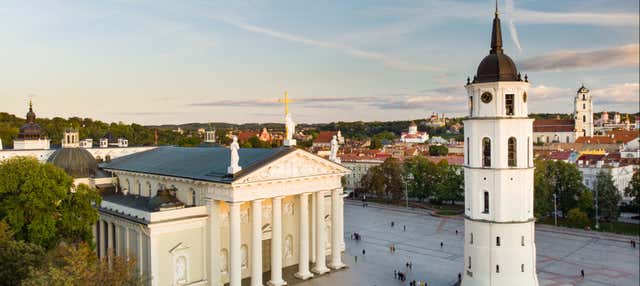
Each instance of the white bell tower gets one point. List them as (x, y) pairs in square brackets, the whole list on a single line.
[(583, 113), (499, 244)]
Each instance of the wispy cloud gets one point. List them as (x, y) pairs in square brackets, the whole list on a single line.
[(627, 55), (618, 94), (510, 8), (386, 60), (578, 18)]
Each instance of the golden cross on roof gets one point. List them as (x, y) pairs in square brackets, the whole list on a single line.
[(286, 102)]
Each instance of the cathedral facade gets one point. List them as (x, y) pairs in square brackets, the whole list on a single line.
[(191, 220), (499, 244)]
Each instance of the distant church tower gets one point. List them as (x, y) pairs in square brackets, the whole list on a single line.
[(583, 113), (499, 243)]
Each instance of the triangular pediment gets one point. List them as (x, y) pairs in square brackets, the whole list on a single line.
[(293, 165)]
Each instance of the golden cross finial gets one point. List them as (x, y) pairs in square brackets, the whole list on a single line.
[(286, 102)]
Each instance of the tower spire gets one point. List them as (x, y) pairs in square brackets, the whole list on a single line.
[(496, 34)]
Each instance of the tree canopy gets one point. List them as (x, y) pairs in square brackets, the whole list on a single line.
[(41, 204), (608, 197), (633, 191), (560, 178)]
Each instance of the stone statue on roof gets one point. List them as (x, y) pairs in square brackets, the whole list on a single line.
[(290, 126), (333, 155), (234, 166)]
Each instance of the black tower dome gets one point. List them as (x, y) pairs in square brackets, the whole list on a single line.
[(497, 66)]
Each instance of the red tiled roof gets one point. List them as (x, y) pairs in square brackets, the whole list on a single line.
[(596, 140), (325, 136), (409, 136), (245, 135), (559, 155), (553, 125), (452, 160), (624, 136)]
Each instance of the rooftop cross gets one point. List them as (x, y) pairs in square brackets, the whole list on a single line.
[(286, 102)]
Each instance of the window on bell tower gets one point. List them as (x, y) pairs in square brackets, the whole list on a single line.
[(512, 152), (509, 104), (486, 203), (486, 152)]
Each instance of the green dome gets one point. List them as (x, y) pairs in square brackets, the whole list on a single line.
[(77, 162)]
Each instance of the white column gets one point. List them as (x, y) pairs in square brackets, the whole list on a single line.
[(102, 241), (214, 242), (154, 262), (256, 243), (276, 243), (313, 229), (341, 218), (336, 256), (140, 250), (127, 251), (303, 266), (235, 279), (320, 267), (109, 239)]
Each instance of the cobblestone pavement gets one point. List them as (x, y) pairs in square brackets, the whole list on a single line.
[(606, 260)]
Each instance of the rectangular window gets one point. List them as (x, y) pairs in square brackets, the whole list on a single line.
[(486, 152), (497, 268), (497, 241), (470, 105), (469, 262), (508, 104), (468, 147), (486, 203), (522, 240)]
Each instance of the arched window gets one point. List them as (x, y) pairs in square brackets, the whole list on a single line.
[(471, 238), (469, 262), (522, 267), (497, 241), (486, 152), (497, 268), (138, 188), (568, 139), (193, 197), (528, 151), (486, 202), (584, 118), (512, 152), (148, 189), (522, 240)]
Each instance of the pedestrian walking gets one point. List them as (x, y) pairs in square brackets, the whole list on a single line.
[(456, 232), (363, 252), (441, 245), (393, 223), (582, 273), (459, 277), (356, 258), (395, 274), (404, 228)]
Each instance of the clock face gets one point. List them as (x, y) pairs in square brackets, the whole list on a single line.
[(524, 96), (486, 97)]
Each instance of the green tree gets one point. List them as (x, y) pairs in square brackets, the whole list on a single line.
[(451, 183), (385, 180), (77, 264), (543, 193), (561, 178), (41, 204), (633, 191), (608, 197), (577, 218), (16, 257), (586, 202), (422, 177), (438, 150), (189, 142)]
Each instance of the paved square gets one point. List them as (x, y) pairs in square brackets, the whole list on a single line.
[(606, 260)]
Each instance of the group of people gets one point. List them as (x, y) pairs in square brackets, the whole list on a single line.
[(633, 243), (356, 236), (392, 248)]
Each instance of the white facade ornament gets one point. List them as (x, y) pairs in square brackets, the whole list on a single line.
[(244, 256), (235, 158), (288, 246), (290, 128), (181, 269), (289, 208), (224, 261), (244, 216), (333, 156)]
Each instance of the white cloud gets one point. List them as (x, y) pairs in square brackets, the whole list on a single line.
[(627, 55), (356, 52)]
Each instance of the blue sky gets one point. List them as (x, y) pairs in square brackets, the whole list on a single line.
[(203, 61)]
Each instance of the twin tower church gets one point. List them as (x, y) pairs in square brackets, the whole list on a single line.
[(190, 219)]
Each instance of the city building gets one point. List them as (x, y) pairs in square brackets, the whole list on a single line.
[(413, 135), (359, 165), (568, 130), (499, 243), (192, 217), (31, 136), (591, 165), (323, 141), (436, 121)]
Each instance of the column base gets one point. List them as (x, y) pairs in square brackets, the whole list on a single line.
[(320, 270), (303, 276), (277, 283), (337, 266)]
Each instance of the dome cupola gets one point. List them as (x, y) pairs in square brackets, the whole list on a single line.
[(496, 66)]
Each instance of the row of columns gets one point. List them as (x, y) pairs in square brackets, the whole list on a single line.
[(317, 239), (106, 233)]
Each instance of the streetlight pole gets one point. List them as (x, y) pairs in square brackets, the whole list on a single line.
[(555, 210), (406, 195)]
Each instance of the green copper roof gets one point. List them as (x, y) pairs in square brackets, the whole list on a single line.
[(197, 163)]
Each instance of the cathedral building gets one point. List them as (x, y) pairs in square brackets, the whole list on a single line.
[(191, 218), (568, 130), (31, 136), (499, 244), (413, 135)]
